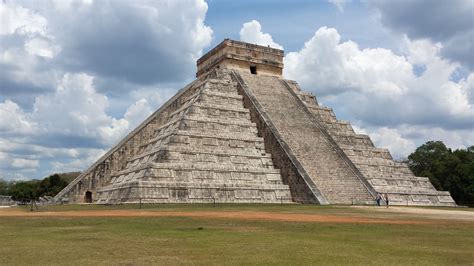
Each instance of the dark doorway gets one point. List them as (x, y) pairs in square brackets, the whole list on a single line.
[(253, 70), (88, 197)]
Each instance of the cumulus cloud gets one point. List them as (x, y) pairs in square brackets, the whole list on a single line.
[(137, 112), (76, 76), (72, 122), (17, 18), (133, 42), (393, 140), (17, 168), (448, 22), (80, 163), (381, 91), (14, 119), (83, 116), (142, 42), (26, 47), (377, 78), (403, 139), (251, 32)]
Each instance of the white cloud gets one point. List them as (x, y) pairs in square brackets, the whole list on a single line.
[(26, 51), (447, 22), (339, 4), (379, 89), (14, 120), (251, 32), (24, 163), (331, 66), (147, 43), (137, 112), (9, 163), (84, 160), (403, 139), (41, 47), (55, 54), (393, 140), (83, 108), (19, 19), (421, 51), (73, 116)]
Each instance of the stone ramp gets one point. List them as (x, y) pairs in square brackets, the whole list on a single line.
[(317, 155)]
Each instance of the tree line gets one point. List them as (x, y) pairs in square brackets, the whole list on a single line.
[(447, 169), (34, 189)]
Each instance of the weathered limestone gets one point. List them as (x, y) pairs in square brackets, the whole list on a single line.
[(241, 133), (231, 54)]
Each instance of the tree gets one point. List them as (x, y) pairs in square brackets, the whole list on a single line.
[(25, 190), (33, 189), (4, 187), (50, 186), (447, 170)]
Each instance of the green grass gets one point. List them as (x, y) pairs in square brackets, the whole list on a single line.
[(184, 240)]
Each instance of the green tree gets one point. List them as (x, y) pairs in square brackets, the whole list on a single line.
[(33, 189), (25, 190), (50, 186), (4, 187), (447, 170)]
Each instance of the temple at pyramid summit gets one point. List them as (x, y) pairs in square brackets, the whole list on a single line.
[(241, 133)]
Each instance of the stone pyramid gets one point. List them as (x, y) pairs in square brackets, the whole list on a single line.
[(241, 133)]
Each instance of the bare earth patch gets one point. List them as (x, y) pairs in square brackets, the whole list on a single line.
[(429, 213), (244, 215)]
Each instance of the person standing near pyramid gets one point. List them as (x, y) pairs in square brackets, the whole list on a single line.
[(378, 198)]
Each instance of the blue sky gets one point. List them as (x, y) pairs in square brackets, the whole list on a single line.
[(76, 76), (294, 22)]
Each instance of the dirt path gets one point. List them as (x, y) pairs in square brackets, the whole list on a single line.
[(244, 215), (430, 213)]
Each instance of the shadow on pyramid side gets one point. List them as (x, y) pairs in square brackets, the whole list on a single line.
[(241, 133)]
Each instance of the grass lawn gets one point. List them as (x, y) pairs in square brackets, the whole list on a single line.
[(204, 240)]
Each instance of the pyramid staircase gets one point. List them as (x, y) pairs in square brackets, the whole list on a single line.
[(320, 161)]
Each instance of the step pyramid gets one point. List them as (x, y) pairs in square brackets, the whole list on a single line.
[(242, 133)]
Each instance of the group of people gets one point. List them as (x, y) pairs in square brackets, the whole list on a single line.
[(379, 199)]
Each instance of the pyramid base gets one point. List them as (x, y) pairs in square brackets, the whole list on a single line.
[(175, 192)]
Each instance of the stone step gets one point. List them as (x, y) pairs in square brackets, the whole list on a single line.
[(198, 185), (213, 148), (174, 136), (200, 105), (223, 94), (220, 120), (214, 125), (216, 167), (164, 192), (203, 177)]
